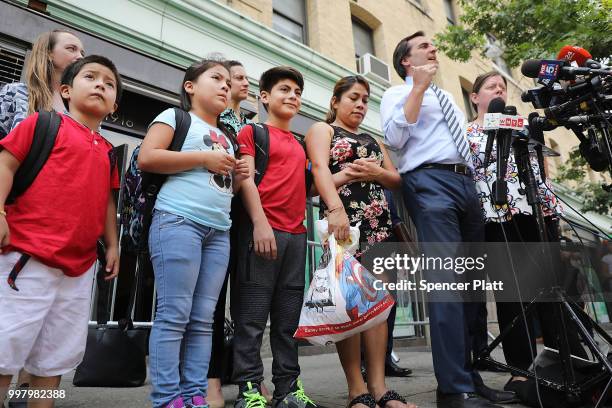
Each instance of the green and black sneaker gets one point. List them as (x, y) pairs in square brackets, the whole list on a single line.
[(249, 396), (297, 398)]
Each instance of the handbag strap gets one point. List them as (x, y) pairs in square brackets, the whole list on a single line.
[(127, 322), (103, 300), (105, 294)]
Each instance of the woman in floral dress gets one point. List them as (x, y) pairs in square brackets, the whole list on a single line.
[(351, 170)]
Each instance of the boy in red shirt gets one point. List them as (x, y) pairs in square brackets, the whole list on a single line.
[(57, 221), (271, 278)]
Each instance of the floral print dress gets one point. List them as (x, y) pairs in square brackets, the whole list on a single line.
[(517, 201), (363, 202)]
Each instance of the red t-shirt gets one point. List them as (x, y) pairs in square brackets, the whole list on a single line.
[(60, 216), (283, 188)]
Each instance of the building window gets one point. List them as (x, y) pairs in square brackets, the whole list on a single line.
[(289, 18), (450, 12), (469, 109), (363, 39), (495, 52), (12, 60)]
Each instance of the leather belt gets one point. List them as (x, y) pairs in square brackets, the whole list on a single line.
[(455, 168)]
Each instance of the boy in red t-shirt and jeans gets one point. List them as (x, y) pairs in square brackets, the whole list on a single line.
[(57, 221), (271, 279)]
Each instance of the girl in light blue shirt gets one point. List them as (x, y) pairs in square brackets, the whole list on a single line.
[(189, 235)]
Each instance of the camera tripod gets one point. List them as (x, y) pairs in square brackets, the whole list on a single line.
[(565, 309)]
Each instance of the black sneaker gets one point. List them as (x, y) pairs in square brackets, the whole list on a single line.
[(249, 396), (296, 398)]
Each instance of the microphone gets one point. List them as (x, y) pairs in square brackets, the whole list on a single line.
[(575, 54), (537, 133), (548, 71), (504, 139), (496, 105), (556, 111), (580, 56), (596, 65), (590, 150), (542, 122), (542, 97)]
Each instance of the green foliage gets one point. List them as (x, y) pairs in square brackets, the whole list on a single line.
[(591, 195), (538, 29), (529, 28)]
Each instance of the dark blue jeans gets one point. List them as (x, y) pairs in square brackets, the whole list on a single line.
[(445, 208)]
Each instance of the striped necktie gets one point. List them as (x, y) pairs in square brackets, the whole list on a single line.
[(454, 126)]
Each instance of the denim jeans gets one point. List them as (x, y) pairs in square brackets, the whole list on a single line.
[(189, 262)]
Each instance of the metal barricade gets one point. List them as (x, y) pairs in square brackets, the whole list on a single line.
[(409, 323)]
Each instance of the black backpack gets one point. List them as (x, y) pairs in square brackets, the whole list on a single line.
[(241, 232), (141, 189), (261, 138), (45, 134), (242, 226), (43, 140)]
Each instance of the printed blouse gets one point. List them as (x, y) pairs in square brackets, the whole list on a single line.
[(13, 106), (517, 200)]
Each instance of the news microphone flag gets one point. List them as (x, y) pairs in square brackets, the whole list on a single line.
[(549, 72), (575, 55), (500, 121)]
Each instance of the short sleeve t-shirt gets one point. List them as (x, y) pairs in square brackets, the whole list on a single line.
[(59, 218), (283, 188), (198, 194)]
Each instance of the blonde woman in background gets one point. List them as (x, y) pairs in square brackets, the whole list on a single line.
[(51, 53)]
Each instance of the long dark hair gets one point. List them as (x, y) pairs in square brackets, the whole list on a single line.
[(191, 74), (341, 87)]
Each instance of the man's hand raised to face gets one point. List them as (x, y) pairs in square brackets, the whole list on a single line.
[(423, 75)]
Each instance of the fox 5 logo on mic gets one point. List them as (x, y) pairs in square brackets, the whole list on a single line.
[(549, 71)]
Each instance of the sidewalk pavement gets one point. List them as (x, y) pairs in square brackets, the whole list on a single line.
[(323, 380)]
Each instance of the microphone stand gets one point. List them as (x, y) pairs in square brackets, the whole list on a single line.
[(574, 389), (526, 175), (500, 186)]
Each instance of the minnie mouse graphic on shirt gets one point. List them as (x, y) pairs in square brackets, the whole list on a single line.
[(218, 143)]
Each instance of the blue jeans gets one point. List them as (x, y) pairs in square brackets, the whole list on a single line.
[(189, 262)]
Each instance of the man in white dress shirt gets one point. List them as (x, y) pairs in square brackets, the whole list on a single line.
[(425, 127)]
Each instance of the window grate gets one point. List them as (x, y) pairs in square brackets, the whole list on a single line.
[(11, 66)]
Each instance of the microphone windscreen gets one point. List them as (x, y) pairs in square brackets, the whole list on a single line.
[(532, 116), (574, 53), (496, 105), (596, 65), (510, 110), (531, 68)]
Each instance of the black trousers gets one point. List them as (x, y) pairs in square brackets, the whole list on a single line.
[(517, 346), (273, 288)]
